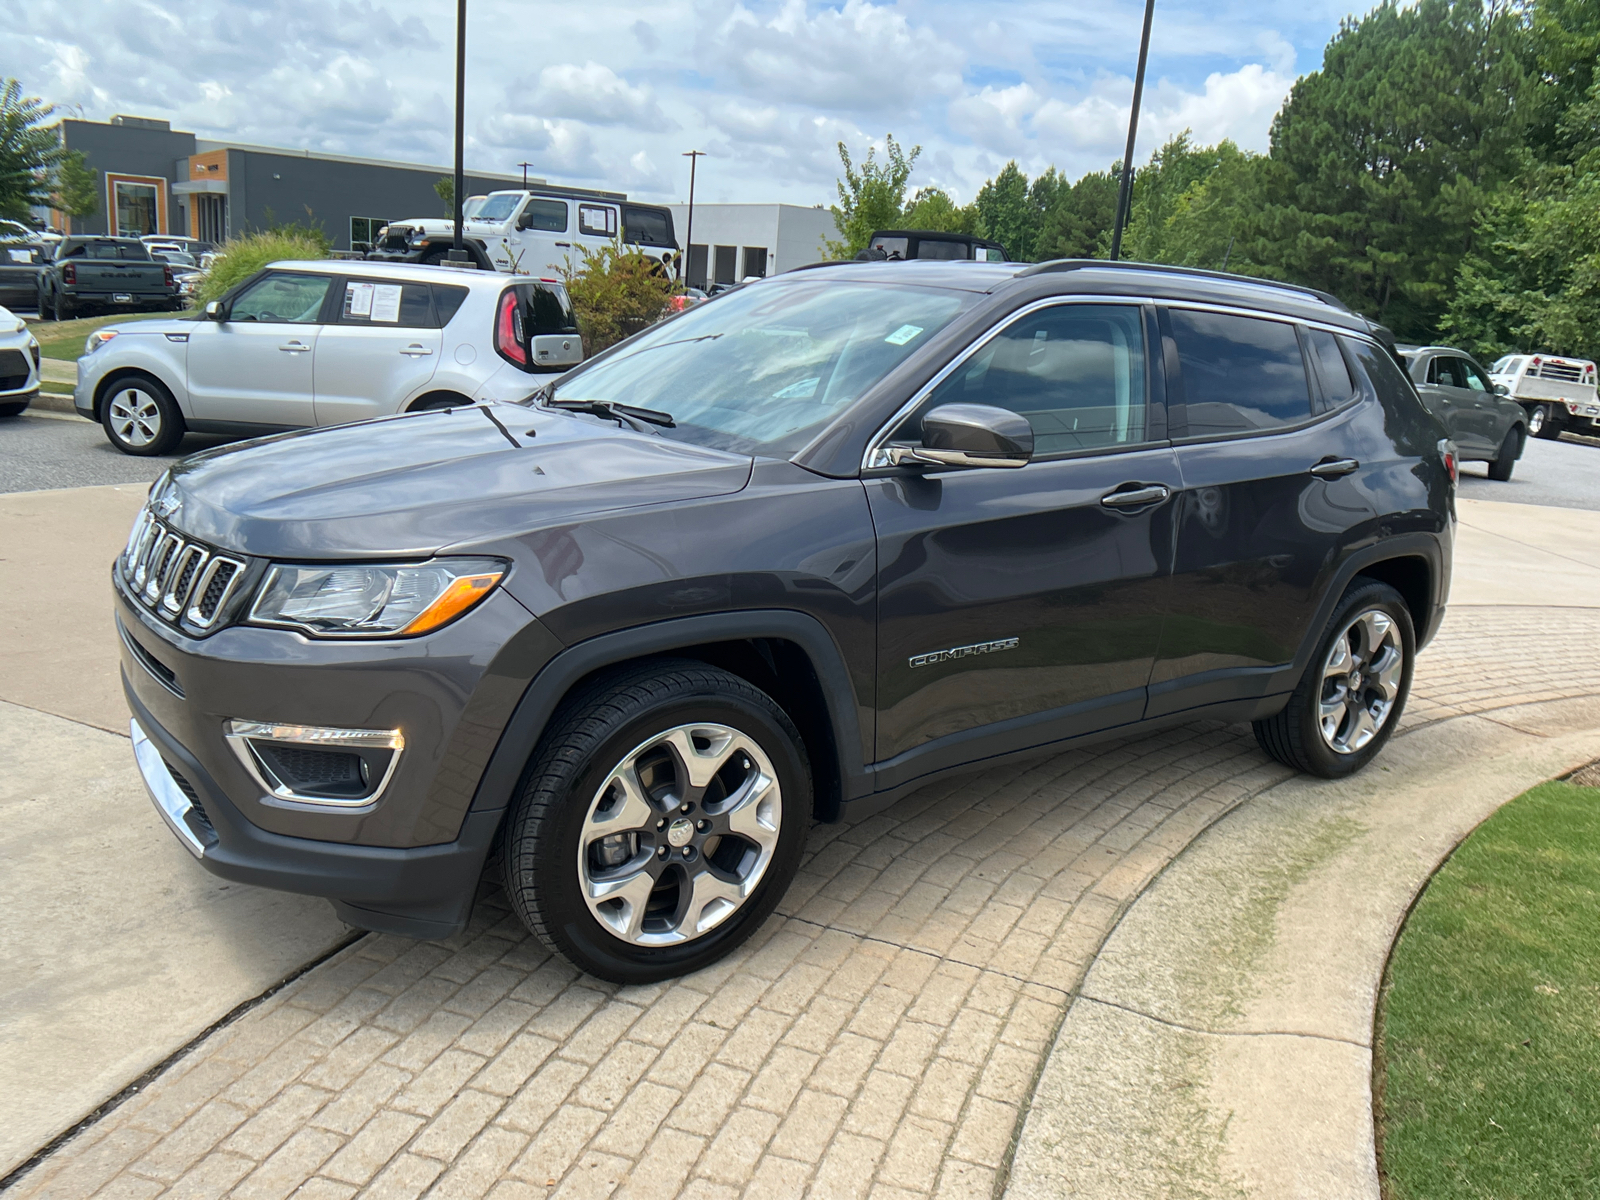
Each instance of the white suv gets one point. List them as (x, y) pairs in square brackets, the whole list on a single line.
[(324, 343)]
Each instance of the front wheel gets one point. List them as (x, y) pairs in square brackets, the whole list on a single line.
[(1500, 469), (662, 821), (1354, 689), (140, 417)]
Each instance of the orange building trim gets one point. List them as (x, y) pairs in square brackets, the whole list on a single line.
[(157, 181)]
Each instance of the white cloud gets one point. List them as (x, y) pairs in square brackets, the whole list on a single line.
[(1237, 105), (595, 94)]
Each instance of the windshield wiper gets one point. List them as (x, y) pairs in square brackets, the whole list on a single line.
[(627, 413)]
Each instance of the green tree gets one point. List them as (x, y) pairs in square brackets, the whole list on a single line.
[(1076, 219), (445, 188), (1417, 116), (1225, 221), (1175, 170), (1008, 212), (932, 208), (29, 152), (871, 198), (77, 186)]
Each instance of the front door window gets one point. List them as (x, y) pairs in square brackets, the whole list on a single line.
[(293, 299)]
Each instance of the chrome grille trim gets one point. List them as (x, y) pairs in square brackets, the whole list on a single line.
[(139, 559), (198, 592), (183, 562), (161, 563)]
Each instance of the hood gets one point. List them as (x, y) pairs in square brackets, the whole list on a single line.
[(412, 485), (154, 326)]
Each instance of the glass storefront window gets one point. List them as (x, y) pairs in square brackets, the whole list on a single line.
[(136, 209)]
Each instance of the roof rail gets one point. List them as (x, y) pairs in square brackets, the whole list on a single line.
[(1079, 264)]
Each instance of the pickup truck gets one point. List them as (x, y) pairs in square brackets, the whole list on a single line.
[(105, 273), (1557, 393), (20, 265), (533, 232)]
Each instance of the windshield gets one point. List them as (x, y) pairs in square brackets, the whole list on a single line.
[(762, 369), (497, 207)]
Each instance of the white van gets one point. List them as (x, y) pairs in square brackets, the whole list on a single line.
[(1558, 393), (534, 232)]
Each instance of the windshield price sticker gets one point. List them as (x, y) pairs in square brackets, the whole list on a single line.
[(903, 335)]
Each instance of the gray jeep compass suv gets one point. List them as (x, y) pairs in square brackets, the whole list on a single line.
[(782, 558)]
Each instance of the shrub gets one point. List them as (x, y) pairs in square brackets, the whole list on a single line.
[(244, 256), (615, 294)]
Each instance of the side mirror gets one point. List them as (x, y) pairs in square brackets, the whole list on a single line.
[(970, 435), (215, 311), (1501, 389)]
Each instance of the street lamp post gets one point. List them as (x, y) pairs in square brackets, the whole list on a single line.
[(524, 167), (688, 236), (1125, 191), (459, 253)]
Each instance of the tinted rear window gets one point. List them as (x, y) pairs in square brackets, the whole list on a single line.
[(116, 251), (1329, 364), (380, 302), (446, 300), (942, 251), (1239, 373), (646, 226)]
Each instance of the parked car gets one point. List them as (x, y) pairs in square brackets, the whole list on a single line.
[(905, 245), (185, 270), (19, 365), (323, 343), (89, 274), (533, 232), (186, 245), (1556, 393), (786, 556), (20, 266), (1484, 425)]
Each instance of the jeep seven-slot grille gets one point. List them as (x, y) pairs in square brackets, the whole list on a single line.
[(177, 578)]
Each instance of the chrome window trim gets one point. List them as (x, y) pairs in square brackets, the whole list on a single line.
[(238, 734), (876, 456)]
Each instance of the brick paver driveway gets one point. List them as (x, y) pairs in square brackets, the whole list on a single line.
[(880, 1037)]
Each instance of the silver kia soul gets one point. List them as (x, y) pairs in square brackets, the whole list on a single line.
[(302, 344)]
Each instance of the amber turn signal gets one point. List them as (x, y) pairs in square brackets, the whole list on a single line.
[(459, 597)]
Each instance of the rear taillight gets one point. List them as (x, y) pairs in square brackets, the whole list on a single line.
[(69, 273), (166, 274), (1447, 452), (508, 330)]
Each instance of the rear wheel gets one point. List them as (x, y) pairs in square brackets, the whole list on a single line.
[(1500, 469), (1350, 698), (663, 819), (1544, 422), (140, 417)]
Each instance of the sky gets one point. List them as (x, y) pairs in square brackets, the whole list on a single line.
[(605, 93)]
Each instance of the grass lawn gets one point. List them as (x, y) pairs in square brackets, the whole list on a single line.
[(1488, 1074), (64, 339)]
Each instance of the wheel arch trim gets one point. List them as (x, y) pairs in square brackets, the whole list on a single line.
[(114, 376), (555, 680)]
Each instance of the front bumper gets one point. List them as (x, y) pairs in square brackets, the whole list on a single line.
[(425, 891)]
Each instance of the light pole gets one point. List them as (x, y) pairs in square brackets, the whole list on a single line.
[(1125, 191), (524, 167), (688, 236), (459, 253)]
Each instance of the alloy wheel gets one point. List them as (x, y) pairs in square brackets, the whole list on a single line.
[(1360, 681), (135, 416), (1536, 420), (679, 834)]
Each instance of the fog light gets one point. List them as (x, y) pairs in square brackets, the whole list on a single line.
[(315, 764)]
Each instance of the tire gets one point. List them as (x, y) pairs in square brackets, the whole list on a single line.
[(1368, 612), (433, 258), (13, 409), (636, 723), (65, 309), (44, 312), (140, 417), (1545, 422), (1500, 469)]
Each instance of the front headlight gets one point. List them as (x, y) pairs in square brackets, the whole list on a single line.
[(97, 339), (358, 600)]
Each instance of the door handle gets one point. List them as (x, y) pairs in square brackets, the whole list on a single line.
[(1137, 497), (1332, 468), (565, 245), (413, 350), (294, 347)]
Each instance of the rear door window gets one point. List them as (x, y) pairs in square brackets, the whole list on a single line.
[(597, 220), (1076, 371), (386, 302), (1240, 374), (1330, 368)]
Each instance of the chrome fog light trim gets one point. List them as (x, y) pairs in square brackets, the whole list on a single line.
[(242, 734), (170, 802)]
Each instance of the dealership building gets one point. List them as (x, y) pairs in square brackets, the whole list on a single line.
[(156, 179), (731, 242)]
